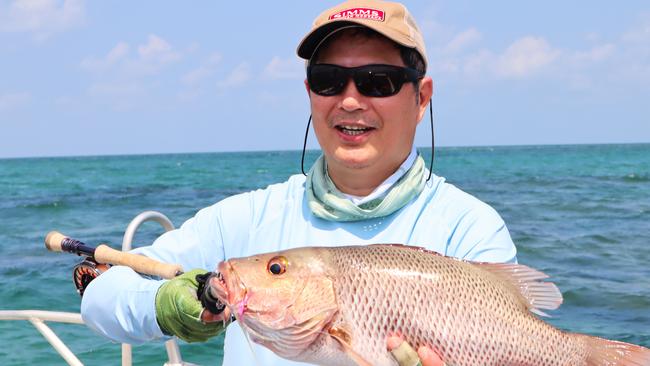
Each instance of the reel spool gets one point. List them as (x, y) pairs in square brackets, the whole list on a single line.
[(85, 272)]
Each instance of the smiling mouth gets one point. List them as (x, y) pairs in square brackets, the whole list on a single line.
[(354, 130)]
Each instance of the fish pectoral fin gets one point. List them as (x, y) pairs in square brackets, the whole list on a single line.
[(341, 335), (536, 294)]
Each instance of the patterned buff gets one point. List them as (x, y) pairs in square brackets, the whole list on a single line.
[(327, 202)]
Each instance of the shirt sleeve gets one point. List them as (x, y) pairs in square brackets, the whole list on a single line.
[(120, 303), (481, 235)]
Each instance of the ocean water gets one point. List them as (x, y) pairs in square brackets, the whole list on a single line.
[(579, 213)]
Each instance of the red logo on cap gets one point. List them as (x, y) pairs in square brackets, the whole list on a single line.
[(359, 13)]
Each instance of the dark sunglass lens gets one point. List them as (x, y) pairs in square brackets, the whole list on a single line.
[(370, 80), (326, 79), (379, 81)]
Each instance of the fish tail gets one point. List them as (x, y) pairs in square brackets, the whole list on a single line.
[(603, 352)]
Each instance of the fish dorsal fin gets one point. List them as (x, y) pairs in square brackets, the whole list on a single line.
[(341, 335), (537, 294)]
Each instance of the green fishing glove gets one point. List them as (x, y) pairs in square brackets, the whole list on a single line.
[(178, 309)]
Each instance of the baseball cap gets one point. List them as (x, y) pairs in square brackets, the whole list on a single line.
[(390, 19)]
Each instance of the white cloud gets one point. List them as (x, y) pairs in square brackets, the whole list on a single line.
[(197, 75), (157, 50), (153, 56), (462, 40), (637, 35), (595, 54), (237, 77), (479, 64), (41, 17), (436, 33), (463, 55), (524, 57), (116, 54), (633, 54), (203, 72), (123, 77), (150, 59), (289, 68), (14, 100), (443, 66), (196, 79)]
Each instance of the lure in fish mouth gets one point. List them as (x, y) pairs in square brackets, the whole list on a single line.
[(273, 300)]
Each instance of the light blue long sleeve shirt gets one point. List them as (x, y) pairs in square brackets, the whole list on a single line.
[(120, 303)]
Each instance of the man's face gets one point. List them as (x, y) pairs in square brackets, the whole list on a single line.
[(361, 132)]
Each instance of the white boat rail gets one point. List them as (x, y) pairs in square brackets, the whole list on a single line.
[(39, 317)]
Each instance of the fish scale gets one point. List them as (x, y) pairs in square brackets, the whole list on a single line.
[(338, 305), (440, 302)]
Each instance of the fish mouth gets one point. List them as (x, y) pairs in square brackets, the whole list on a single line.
[(227, 287), (230, 289)]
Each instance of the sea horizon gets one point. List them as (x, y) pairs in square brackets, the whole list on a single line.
[(313, 150)]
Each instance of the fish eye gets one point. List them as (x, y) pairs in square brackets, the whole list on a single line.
[(277, 265)]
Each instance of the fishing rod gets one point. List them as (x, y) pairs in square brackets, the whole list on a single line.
[(99, 259)]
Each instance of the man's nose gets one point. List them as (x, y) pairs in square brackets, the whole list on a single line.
[(352, 100)]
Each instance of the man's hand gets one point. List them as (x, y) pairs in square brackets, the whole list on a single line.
[(406, 356), (180, 313)]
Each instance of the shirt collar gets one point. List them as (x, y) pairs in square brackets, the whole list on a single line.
[(383, 188)]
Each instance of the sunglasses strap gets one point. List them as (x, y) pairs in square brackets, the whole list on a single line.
[(432, 138)]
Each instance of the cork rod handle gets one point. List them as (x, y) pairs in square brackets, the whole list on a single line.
[(57, 242), (54, 241), (139, 263)]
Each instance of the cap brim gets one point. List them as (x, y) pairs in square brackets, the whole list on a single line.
[(312, 40), (310, 43)]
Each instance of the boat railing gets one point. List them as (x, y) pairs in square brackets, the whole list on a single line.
[(39, 317)]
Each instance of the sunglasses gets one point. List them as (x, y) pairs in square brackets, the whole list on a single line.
[(370, 80)]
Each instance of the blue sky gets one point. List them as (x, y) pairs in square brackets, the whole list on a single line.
[(93, 78)]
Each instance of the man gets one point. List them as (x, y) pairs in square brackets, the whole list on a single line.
[(368, 91)]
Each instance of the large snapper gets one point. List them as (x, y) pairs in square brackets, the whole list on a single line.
[(337, 306)]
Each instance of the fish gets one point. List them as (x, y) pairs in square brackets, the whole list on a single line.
[(338, 305)]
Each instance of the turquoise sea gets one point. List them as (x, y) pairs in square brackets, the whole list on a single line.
[(579, 213)]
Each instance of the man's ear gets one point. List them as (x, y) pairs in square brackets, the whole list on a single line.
[(426, 92), (307, 88), (426, 89)]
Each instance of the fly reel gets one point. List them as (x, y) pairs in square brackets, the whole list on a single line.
[(85, 272)]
